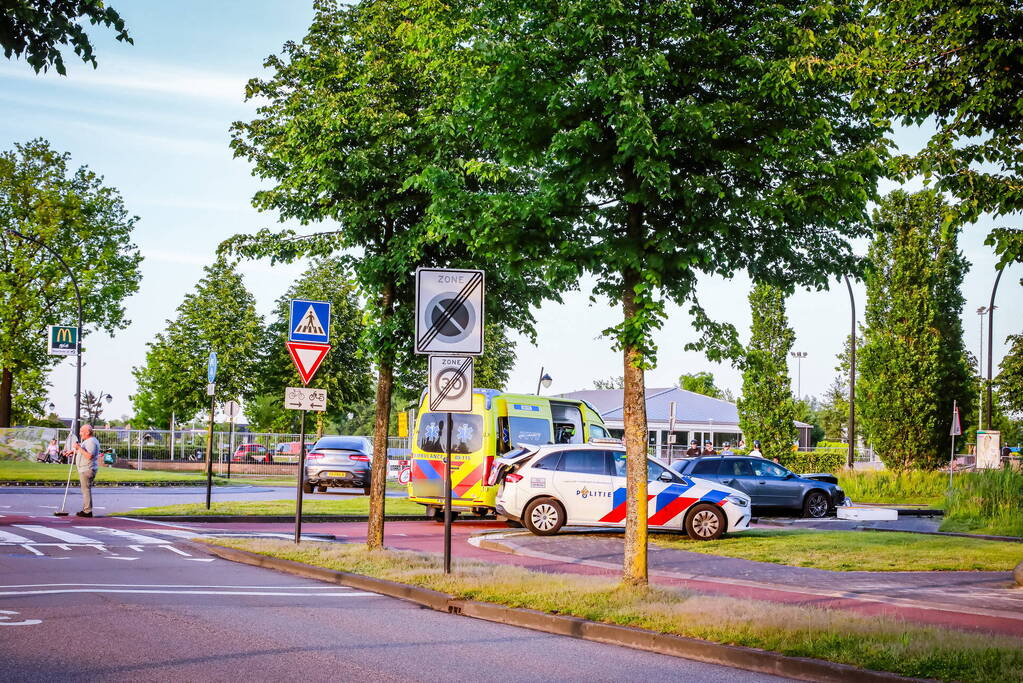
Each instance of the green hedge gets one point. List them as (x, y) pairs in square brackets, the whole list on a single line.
[(826, 457)]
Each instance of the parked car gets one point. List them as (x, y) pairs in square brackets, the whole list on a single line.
[(546, 487), (340, 462), (289, 451), (252, 452), (768, 484)]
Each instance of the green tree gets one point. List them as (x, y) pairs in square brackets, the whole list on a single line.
[(343, 129), (345, 372), (610, 383), (220, 315), (834, 411), (1009, 381), (953, 64), (70, 210), (701, 383), (766, 408), (643, 144), (810, 412), (913, 364), (36, 29)]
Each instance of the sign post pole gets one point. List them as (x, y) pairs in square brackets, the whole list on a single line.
[(300, 479), (955, 431), (211, 389), (447, 497)]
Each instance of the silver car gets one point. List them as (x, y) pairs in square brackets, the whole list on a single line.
[(340, 462)]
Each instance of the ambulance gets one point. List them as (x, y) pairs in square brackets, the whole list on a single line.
[(498, 423)]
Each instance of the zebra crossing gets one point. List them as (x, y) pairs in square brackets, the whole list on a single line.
[(113, 543)]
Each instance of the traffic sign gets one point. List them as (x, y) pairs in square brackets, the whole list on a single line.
[(957, 428), (232, 409), (310, 321), (449, 311), (451, 384), (62, 340), (211, 368), (307, 358), (304, 398)]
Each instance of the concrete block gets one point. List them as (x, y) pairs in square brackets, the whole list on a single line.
[(866, 513)]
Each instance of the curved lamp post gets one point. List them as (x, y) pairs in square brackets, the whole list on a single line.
[(990, 343), (545, 380), (78, 344), (851, 455)]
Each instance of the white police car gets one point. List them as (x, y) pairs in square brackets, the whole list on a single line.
[(546, 487)]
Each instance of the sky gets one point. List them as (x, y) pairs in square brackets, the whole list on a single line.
[(154, 121)]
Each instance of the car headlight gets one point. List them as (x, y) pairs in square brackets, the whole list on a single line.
[(736, 499)]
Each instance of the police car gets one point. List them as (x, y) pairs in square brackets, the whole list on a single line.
[(546, 487)]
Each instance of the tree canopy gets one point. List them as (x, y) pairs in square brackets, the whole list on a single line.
[(703, 383), (912, 364), (44, 198), (37, 29), (1010, 376)]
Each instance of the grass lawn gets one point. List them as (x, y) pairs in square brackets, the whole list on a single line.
[(858, 550), (310, 506), (895, 488), (872, 642), (21, 470)]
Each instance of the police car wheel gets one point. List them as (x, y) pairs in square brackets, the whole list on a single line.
[(706, 523), (544, 517)]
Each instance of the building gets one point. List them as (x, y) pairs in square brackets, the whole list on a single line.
[(696, 417)]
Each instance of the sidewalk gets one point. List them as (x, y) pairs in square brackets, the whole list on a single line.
[(982, 601)]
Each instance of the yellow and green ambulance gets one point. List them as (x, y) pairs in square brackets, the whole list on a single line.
[(498, 422)]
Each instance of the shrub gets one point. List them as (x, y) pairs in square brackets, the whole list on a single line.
[(826, 457)]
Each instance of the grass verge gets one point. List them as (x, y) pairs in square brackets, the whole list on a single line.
[(989, 502), (20, 470), (894, 488), (872, 642), (310, 506), (872, 551)]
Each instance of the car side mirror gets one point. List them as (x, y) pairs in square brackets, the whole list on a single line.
[(666, 477), (789, 475)]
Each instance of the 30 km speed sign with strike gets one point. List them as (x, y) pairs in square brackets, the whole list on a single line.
[(451, 384)]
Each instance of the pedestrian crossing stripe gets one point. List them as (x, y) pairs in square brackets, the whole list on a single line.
[(309, 323)]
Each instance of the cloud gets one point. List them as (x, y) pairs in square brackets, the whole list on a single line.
[(141, 77)]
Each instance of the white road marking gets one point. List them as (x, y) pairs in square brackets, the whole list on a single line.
[(127, 535), (8, 537), (354, 594), (199, 559), (57, 533), (117, 557), (175, 550), (31, 549), (136, 548), (25, 622)]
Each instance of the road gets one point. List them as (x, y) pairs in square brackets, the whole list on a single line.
[(115, 599)]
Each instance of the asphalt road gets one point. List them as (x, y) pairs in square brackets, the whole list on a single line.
[(44, 500), (112, 599)]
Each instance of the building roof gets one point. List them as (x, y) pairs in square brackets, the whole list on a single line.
[(690, 407)]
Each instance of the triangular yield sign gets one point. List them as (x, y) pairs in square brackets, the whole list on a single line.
[(307, 357)]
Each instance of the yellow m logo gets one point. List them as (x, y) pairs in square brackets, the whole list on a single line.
[(63, 335)]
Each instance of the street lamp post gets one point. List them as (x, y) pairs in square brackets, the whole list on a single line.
[(544, 380), (980, 370), (78, 343), (990, 342), (799, 356), (850, 457)]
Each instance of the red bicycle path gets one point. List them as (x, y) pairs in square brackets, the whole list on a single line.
[(428, 537)]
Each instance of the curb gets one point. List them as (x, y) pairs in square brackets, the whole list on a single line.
[(749, 659), (983, 537)]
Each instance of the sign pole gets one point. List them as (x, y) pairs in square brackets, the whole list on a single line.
[(209, 451), (955, 430), (300, 479), (230, 448), (447, 498)]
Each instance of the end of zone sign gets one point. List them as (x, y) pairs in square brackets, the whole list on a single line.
[(449, 311), (451, 384)]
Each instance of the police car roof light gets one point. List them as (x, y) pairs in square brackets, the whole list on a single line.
[(606, 439)]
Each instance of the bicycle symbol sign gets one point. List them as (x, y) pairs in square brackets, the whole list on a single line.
[(303, 398)]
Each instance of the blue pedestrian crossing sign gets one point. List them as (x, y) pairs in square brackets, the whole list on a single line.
[(310, 321)]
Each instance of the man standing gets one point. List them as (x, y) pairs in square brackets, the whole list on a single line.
[(727, 449), (708, 448), (694, 448), (87, 454)]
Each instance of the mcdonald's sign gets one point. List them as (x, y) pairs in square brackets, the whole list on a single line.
[(63, 340)]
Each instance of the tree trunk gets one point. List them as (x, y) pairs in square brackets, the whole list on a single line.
[(634, 571), (378, 475), (6, 389)]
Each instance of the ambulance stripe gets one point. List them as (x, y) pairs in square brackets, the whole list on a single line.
[(469, 481), (670, 511), (425, 469)]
